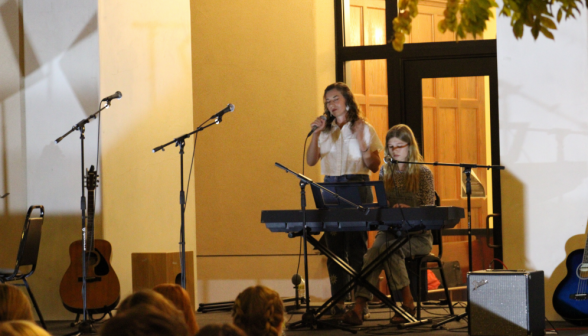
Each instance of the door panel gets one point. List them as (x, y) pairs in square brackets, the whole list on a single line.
[(454, 131)]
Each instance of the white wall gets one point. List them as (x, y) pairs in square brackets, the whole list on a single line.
[(56, 43), (543, 95)]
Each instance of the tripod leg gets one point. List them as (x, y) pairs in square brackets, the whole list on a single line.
[(450, 319)]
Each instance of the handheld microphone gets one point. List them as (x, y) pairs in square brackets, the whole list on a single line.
[(219, 115), (314, 127), (116, 95)]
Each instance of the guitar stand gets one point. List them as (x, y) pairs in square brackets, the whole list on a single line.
[(90, 318), (359, 278)]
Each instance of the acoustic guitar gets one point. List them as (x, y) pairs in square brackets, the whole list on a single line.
[(102, 285), (570, 299)]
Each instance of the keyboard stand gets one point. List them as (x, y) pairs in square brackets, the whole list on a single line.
[(359, 278)]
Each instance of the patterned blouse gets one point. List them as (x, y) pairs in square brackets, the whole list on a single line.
[(426, 192)]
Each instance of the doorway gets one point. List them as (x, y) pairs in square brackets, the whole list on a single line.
[(432, 85)]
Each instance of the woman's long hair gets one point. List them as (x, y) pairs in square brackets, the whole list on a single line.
[(354, 112), (413, 171), (259, 311)]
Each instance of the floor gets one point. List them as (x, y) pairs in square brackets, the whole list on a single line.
[(378, 324)]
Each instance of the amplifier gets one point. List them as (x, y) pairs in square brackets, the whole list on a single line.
[(503, 302)]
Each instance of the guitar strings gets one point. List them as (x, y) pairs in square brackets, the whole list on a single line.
[(582, 281)]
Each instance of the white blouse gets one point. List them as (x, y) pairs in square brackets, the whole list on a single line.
[(340, 152)]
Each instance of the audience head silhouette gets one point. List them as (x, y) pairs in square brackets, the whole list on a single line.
[(259, 311), (150, 298), (21, 328), (145, 320), (14, 305), (221, 330), (180, 298)]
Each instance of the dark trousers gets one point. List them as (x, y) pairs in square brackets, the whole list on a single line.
[(349, 246)]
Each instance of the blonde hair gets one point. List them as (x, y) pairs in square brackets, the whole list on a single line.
[(259, 311), (21, 328), (180, 298), (413, 171), (14, 304)]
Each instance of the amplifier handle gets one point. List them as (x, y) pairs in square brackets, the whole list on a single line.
[(488, 230)]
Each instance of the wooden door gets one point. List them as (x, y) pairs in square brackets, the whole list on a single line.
[(454, 127), (424, 26), (454, 131), (366, 25)]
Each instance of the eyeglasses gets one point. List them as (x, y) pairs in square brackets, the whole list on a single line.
[(393, 148)]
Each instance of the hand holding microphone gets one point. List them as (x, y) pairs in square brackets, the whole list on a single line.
[(318, 124)]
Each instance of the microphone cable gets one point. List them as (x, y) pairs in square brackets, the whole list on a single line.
[(192, 163), (300, 245)]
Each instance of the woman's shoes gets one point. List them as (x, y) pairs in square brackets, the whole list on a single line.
[(337, 311), (397, 319), (352, 318)]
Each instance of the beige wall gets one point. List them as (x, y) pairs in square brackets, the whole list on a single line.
[(271, 59), (145, 54)]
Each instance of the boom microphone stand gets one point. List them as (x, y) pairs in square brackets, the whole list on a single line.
[(180, 142), (86, 327), (467, 169)]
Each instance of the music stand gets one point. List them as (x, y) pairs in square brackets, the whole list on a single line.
[(347, 190)]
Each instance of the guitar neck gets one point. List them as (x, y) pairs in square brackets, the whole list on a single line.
[(90, 217), (585, 256), (91, 183)]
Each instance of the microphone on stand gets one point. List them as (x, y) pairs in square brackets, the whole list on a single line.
[(116, 95), (219, 115), (389, 160), (314, 127)]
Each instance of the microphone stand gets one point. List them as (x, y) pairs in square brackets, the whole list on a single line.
[(309, 318), (180, 142), (84, 327), (467, 169)]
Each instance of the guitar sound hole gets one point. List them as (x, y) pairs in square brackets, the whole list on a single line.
[(582, 271), (91, 259)]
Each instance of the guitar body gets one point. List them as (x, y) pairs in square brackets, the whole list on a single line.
[(570, 299), (102, 285)]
